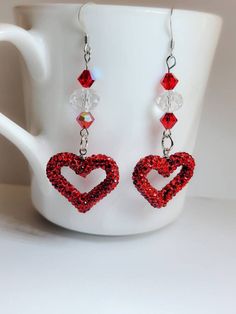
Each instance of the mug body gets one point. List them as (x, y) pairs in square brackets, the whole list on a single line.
[(129, 49)]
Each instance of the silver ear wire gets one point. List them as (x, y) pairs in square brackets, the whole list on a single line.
[(80, 19), (171, 60), (87, 48), (172, 42)]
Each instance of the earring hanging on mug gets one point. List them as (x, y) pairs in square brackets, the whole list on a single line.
[(168, 102), (84, 100)]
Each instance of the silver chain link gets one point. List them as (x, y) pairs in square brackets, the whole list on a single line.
[(87, 51), (83, 142), (167, 143)]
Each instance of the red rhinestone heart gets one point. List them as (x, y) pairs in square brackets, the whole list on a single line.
[(164, 166), (82, 201)]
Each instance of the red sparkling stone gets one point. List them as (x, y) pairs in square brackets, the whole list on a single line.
[(168, 120), (85, 119), (169, 81), (82, 167), (164, 166), (86, 79)]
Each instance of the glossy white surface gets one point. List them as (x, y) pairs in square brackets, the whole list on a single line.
[(130, 53), (187, 268)]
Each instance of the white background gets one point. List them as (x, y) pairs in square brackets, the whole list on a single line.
[(186, 268), (215, 149)]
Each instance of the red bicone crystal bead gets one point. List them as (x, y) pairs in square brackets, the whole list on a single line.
[(169, 81), (86, 79), (168, 120), (85, 119)]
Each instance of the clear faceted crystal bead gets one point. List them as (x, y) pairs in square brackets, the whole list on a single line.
[(84, 99), (169, 101)]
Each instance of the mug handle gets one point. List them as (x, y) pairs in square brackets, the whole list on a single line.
[(34, 54)]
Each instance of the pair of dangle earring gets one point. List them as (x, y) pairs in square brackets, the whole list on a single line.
[(168, 102), (86, 100)]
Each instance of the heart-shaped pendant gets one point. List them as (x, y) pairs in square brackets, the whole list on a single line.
[(164, 166), (82, 166)]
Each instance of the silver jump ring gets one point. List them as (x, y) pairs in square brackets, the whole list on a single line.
[(167, 137)]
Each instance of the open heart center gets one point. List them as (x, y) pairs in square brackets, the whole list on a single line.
[(81, 183), (158, 181)]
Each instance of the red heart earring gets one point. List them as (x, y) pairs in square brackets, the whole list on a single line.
[(85, 100), (168, 102)]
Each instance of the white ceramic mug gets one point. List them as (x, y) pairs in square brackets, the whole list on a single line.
[(129, 47)]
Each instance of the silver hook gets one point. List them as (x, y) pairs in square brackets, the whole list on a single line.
[(172, 42), (87, 48), (171, 60), (80, 19)]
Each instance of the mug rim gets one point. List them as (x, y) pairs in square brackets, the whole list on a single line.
[(145, 9)]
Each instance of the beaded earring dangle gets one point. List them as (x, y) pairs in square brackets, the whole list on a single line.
[(168, 102), (85, 100)]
